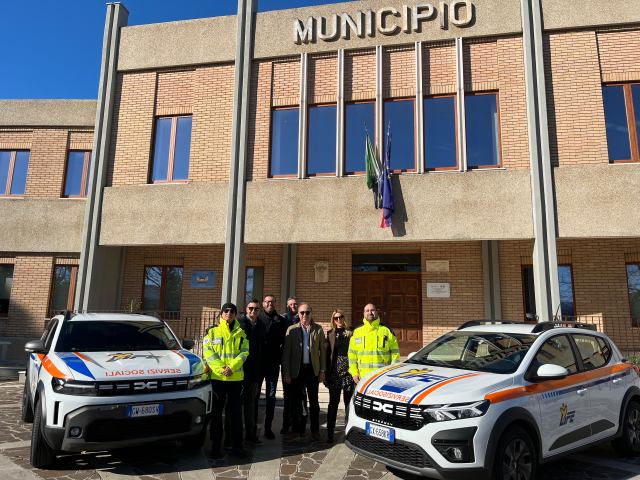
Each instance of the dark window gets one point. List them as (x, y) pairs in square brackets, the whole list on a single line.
[(529, 291), (64, 286), (77, 181), (6, 279), (321, 149), (401, 113), (440, 145), (52, 333), (556, 351), (565, 280), (633, 282), (254, 284), (594, 351), (13, 172), (620, 104), (356, 116), (284, 142), (162, 291), (483, 130), (171, 151), (386, 262)]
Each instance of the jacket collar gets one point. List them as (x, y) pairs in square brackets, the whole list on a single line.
[(371, 325)]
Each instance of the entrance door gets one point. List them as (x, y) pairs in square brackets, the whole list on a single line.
[(398, 297)]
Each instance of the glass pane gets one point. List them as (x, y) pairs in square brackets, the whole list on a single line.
[(183, 147), (440, 133), (615, 115), (255, 281), (61, 282), (593, 356), (403, 143), (173, 292), (483, 142), (529, 292), (74, 174), (19, 180), (161, 150), (356, 116), (284, 142), (86, 190), (322, 140), (152, 283), (566, 291), (557, 351), (6, 279), (633, 280), (5, 161)]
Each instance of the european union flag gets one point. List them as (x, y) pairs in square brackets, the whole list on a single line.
[(386, 190)]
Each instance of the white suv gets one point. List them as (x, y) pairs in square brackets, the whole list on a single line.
[(101, 381), (494, 399)]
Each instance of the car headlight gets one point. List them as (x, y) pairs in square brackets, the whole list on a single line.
[(197, 381), (72, 387), (455, 411)]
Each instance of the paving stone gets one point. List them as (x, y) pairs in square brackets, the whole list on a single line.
[(354, 472), (302, 475), (362, 463), (230, 474), (319, 456), (219, 470), (306, 465), (380, 467), (375, 475), (293, 459), (287, 469)]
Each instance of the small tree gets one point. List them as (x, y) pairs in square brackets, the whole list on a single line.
[(133, 306)]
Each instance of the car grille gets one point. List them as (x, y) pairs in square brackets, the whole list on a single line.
[(108, 429), (403, 416), (405, 454), (140, 387)]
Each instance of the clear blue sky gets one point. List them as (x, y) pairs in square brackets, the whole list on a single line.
[(52, 49)]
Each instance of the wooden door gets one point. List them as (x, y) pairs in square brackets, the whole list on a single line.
[(366, 288)]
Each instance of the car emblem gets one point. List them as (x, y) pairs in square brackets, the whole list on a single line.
[(143, 385)]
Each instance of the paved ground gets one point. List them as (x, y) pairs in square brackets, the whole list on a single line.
[(305, 459)]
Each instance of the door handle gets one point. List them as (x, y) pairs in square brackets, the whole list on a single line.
[(582, 391), (617, 380)]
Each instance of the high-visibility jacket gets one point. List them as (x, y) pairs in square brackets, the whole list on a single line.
[(226, 347), (373, 345)]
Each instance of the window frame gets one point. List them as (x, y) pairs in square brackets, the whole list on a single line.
[(6, 315), (344, 133), (163, 287), (574, 350), (172, 149), (631, 124), (306, 160), (273, 109), (72, 287), (415, 139), (497, 94), (573, 288), (626, 274), (12, 164), (424, 141), (577, 350), (85, 174)]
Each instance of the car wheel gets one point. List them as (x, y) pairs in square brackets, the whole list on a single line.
[(629, 443), (27, 410), (41, 456), (515, 456)]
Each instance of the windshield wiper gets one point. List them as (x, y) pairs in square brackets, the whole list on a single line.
[(435, 363)]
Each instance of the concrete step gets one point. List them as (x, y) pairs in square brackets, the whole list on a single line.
[(13, 372)]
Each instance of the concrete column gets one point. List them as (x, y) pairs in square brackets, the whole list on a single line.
[(379, 140), (340, 117), (101, 269), (491, 276), (302, 125), (233, 276), (460, 105), (289, 265), (419, 110), (545, 260)]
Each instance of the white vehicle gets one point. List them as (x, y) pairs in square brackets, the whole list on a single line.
[(494, 399), (102, 381)]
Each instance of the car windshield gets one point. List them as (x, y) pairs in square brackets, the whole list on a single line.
[(105, 336), (477, 351)]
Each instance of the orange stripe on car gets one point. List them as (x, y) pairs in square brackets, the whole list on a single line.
[(420, 397), (51, 368), (179, 354), (364, 387)]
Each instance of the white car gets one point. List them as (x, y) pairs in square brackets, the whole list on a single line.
[(495, 399), (102, 381)]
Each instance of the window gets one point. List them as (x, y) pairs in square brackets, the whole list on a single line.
[(64, 287), (172, 148), (13, 172), (254, 284), (77, 181), (356, 116), (52, 333), (595, 352), (556, 351), (565, 280), (6, 279), (620, 103), (401, 114), (440, 138), (483, 130), (321, 147), (633, 282), (284, 142), (162, 291), (386, 262)]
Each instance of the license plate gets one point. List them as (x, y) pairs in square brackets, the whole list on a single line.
[(382, 433), (145, 410)]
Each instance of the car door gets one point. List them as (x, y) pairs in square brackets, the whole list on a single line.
[(564, 404)]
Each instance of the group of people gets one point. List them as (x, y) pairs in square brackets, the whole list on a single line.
[(243, 351)]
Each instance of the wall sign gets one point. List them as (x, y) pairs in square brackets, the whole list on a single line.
[(437, 266), (322, 271), (203, 279), (438, 290)]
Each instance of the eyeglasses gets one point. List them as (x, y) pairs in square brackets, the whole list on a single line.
[(302, 314), (227, 310), (253, 309), (341, 317)]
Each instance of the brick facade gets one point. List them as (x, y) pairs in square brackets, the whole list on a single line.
[(360, 75), (398, 72)]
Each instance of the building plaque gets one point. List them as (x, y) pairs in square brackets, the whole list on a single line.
[(322, 272), (438, 290), (437, 265), (203, 279)]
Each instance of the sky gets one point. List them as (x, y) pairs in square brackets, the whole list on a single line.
[(52, 49)]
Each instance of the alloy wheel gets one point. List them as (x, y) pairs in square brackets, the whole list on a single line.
[(633, 426), (517, 461)]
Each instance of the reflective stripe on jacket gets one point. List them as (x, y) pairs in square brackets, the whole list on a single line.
[(223, 347), (372, 346)]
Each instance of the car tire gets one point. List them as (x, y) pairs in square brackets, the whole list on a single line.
[(27, 409), (629, 443), (515, 456), (41, 456), (195, 442)]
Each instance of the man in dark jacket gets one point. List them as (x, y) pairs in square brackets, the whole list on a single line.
[(292, 318), (271, 357)]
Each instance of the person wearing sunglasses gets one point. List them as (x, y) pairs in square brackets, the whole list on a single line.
[(303, 363), (338, 377)]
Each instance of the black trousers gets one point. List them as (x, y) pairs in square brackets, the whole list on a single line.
[(307, 379), (287, 419), (223, 393), (334, 402)]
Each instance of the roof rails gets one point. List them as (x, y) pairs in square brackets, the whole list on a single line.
[(544, 326), (477, 323)]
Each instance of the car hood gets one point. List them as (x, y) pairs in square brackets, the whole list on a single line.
[(123, 365), (421, 385)]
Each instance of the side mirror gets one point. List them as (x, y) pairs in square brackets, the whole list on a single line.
[(550, 372), (411, 355), (188, 344), (35, 346)]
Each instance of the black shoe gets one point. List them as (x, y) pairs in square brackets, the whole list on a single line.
[(216, 454), (238, 452), (253, 439), (284, 430), (228, 443), (330, 435), (269, 434)]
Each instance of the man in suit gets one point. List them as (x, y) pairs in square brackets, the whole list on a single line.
[(303, 363)]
